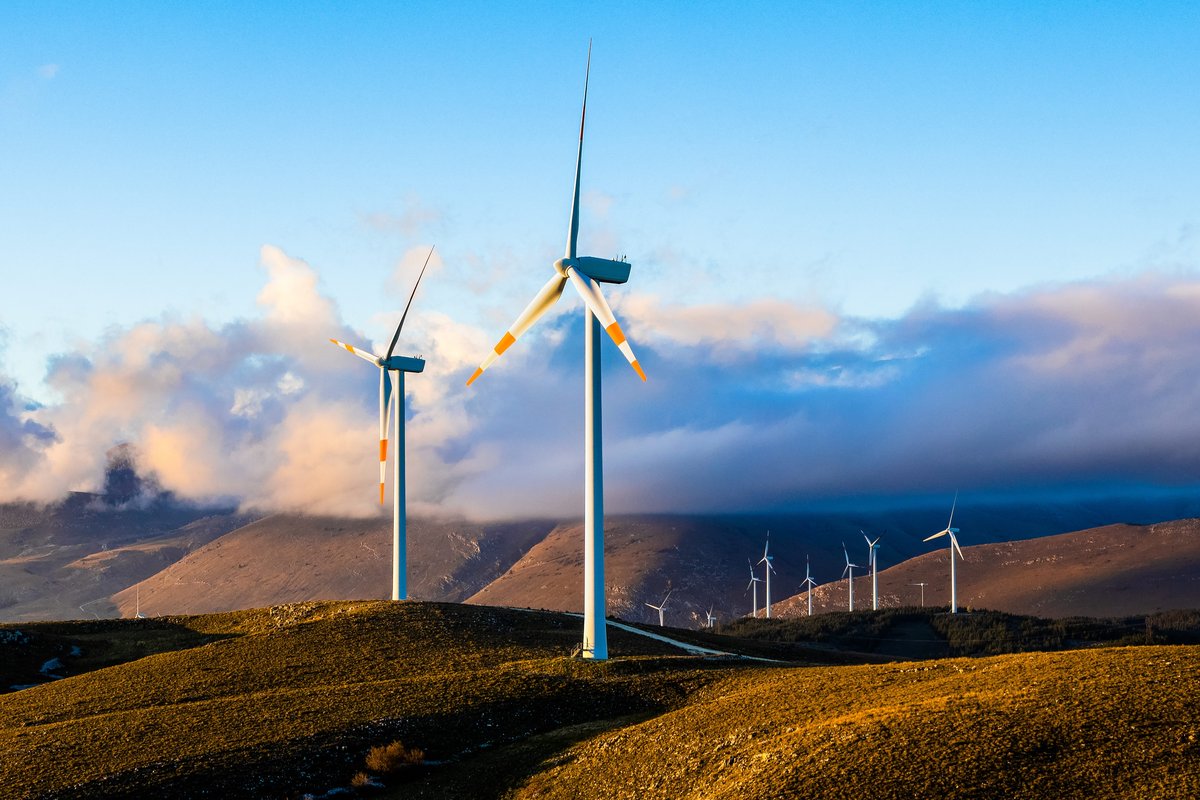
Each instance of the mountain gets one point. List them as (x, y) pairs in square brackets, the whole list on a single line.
[(288, 558), (91, 556), (64, 560), (1114, 570)]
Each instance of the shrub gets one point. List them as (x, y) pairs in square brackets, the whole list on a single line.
[(360, 780), (389, 758)]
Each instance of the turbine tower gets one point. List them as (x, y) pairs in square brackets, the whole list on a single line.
[(810, 583), (849, 570), (873, 563), (767, 570), (583, 272), (922, 584), (949, 531), (659, 608), (751, 587), (391, 385)]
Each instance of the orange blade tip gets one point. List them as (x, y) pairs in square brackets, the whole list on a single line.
[(638, 368), (381, 494), (478, 372)]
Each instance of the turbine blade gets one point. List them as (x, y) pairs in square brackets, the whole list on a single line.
[(363, 354), (936, 535), (954, 541), (385, 415), (847, 569), (590, 291), (952, 507), (573, 229), (545, 298), (396, 335)]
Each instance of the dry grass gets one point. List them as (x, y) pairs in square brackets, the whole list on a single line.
[(277, 702), (388, 758), (1110, 723)]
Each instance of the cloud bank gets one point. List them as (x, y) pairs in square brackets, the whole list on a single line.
[(763, 405)]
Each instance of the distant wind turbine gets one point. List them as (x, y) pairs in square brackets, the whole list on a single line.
[(768, 568), (137, 602), (583, 272), (751, 587), (391, 385), (810, 583), (922, 585), (950, 531), (712, 621), (872, 562), (659, 608), (849, 570)]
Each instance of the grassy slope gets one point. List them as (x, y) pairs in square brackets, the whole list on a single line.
[(295, 695), (1117, 722), (290, 699)]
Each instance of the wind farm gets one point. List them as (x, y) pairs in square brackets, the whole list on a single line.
[(967, 273)]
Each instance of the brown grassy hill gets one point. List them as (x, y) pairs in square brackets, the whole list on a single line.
[(1116, 570), (1113, 723), (274, 702), (64, 560), (278, 702), (288, 558)]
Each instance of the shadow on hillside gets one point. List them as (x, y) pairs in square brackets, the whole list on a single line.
[(38, 653)]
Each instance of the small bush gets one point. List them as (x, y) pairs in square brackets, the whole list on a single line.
[(360, 780), (386, 759)]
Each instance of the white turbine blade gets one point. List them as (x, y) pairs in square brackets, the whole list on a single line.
[(363, 354), (545, 298), (589, 290), (954, 541), (385, 415), (771, 566), (936, 535), (573, 229), (952, 507), (845, 552)]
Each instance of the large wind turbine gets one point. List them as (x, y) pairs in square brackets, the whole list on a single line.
[(768, 568), (949, 531), (849, 570), (659, 608), (873, 563), (391, 385), (810, 583), (751, 587), (583, 272)]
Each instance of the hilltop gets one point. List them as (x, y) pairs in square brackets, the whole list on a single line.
[(281, 701)]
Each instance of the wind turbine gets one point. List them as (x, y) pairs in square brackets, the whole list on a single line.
[(137, 602), (583, 272), (922, 584), (712, 621), (767, 570), (751, 587), (391, 385), (949, 531), (808, 581), (872, 562), (849, 570), (659, 608)]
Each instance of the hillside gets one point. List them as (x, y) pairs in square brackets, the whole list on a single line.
[(64, 561), (288, 558), (1114, 570), (277, 702)]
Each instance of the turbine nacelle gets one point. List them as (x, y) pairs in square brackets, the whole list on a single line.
[(598, 269), (403, 363)]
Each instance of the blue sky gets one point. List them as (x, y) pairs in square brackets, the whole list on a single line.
[(870, 162)]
